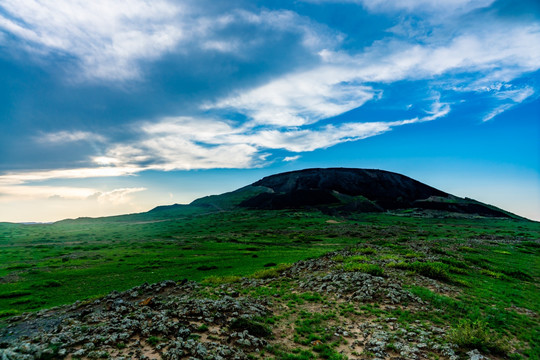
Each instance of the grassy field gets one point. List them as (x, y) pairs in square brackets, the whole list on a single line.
[(49, 265), (494, 262)]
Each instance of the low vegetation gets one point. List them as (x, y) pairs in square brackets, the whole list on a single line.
[(477, 278)]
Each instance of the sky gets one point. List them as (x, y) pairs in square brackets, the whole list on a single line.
[(113, 107)]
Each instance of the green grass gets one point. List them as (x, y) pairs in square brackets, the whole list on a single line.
[(47, 265), (219, 280), (434, 270), (477, 335), (154, 340), (371, 269), (272, 272)]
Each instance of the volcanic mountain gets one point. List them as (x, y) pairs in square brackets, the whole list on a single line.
[(345, 190)]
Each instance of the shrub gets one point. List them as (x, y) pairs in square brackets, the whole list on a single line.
[(400, 265), (476, 335), (457, 270), (357, 258), (51, 354), (390, 257), (270, 273), (154, 340), (219, 280), (460, 282), (326, 352), (371, 269), (253, 328), (454, 262), (493, 274), (468, 249), (434, 270)]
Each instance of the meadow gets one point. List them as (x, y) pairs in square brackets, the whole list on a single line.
[(495, 262)]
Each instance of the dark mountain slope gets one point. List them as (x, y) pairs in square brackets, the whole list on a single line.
[(362, 190)]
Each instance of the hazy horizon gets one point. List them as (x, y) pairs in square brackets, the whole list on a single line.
[(110, 109)]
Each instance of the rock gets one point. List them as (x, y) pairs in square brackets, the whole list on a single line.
[(475, 355)]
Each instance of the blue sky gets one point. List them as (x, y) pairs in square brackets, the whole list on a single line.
[(117, 107)]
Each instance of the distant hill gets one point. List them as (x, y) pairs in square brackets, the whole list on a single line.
[(346, 190)]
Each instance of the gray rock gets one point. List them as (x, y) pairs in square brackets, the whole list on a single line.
[(475, 355)]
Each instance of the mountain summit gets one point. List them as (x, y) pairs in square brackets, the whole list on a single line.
[(370, 189)]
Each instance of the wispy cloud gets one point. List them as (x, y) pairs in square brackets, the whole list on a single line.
[(35, 192), (117, 196), (194, 143), (63, 137), (516, 95), (508, 97), (291, 158), (186, 143), (15, 178), (447, 7), (32, 192), (497, 111)]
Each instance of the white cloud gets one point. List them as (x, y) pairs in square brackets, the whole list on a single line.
[(427, 5), (340, 83), (493, 55), (497, 111), (314, 36), (508, 97), (107, 37), (32, 192), (111, 39), (35, 192), (193, 143), (516, 95), (186, 143), (118, 196), (446, 7), (14, 178), (70, 136), (291, 158), (301, 98)]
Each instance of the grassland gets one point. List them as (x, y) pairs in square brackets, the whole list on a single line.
[(495, 263)]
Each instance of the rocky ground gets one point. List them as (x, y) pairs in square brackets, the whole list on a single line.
[(315, 308)]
